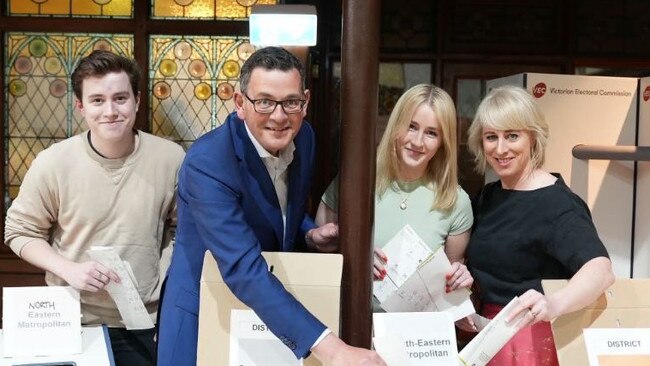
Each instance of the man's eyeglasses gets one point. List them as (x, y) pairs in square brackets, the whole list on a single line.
[(267, 106)]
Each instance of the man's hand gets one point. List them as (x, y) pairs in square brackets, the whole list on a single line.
[(88, 276), (323, 238), (332, 351)]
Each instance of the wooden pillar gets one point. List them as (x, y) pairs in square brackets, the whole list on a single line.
[(359, 94)]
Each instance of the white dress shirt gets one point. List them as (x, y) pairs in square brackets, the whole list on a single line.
[(277, 168)]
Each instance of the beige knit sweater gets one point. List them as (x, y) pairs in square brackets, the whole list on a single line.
[(74, 199)]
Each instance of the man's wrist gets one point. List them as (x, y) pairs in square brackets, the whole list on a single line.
[(309, 239), (327, 348), (325, 333)]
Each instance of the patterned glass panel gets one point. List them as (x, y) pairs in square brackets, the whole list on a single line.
[(192, 80), (205, 9), (72, 8), (39, 104)]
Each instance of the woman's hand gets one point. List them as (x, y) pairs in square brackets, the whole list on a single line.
[(458, 277), (535, 307), (583, 289), (380, 260)]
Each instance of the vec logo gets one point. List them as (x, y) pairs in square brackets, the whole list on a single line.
[(539, 90), (646, 94)]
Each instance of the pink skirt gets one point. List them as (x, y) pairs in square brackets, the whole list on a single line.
[(531, 346)]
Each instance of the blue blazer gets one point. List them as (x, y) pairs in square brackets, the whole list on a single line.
[(227, 204)]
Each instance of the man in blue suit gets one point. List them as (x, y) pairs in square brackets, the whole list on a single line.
[(242, 190)]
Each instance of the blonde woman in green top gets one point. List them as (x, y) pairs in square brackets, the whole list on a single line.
[(417, 182)]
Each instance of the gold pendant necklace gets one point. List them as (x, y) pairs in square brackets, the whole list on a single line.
[(403, 205), (405, 194)]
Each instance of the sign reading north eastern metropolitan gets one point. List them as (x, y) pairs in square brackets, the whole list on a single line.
[(41, 321)]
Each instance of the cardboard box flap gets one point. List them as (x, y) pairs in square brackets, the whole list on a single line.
[(314, 279), (289, 268), (625, 304), (623, 294)]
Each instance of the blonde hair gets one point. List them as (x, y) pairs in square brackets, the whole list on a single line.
[(442, 170), (508, 108)]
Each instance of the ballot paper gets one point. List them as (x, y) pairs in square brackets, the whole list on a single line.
[(415, 280), (125, 294), (493, 337), (253, 344)]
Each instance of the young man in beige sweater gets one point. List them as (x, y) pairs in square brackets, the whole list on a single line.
[(109, 186)]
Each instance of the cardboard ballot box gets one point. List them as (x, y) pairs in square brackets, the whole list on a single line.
[(625, 304), (314, 280)]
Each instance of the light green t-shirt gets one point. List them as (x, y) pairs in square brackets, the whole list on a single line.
[(432, 226)]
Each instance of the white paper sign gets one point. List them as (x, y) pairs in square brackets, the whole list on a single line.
[(125, 294), (253, 344), (41, 321), (616, 341), (392, 350), (427, 338)]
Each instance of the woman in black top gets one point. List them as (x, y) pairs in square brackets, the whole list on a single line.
[(529, 226)]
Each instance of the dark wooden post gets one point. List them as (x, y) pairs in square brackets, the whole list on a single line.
[(359, 93)]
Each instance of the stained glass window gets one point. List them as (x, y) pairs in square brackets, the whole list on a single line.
[(205, 9), (39, 105), (192, 80), (72, 8)]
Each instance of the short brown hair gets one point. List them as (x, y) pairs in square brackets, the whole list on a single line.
[(100, 63), (270, 58)]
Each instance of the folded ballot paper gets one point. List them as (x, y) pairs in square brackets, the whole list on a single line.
[(125, 294), (494, 335), (415, 280)]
